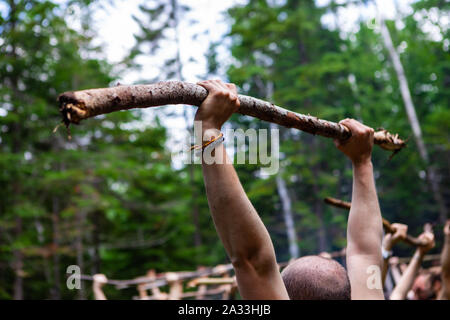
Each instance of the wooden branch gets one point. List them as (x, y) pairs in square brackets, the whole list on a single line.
[(338, 203), (210, 281), (78, 105), (160, 280), (156, 293), (386, 224), (193, 294)]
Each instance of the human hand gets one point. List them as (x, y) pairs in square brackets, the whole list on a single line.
[(100, 279), (359, 146), (222, 101), (428, 238), (447, 228), (390, 239), (394, 261)]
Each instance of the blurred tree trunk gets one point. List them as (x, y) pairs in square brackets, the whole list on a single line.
[(16, 130), (41, 238), (18, 264), (56, 290), (79, 219), (413, 120), (189, 120), (286, 205), (318, 202), (96, 240), (283, 192), (318, 211)]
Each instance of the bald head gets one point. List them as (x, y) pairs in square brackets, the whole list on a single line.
[(427, 285), (316, 278)]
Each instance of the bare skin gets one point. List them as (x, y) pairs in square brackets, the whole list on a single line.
[(244, 235), (395, 269), (242, 232), (390, 240), (445, 263), (406, 281), (364, 228), (99, 281)]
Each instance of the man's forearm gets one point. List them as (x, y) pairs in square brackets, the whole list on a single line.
[(445, 275), (364, 228), (364, 235), (387, 246), (384, 270), (445, 257), (364, 223), (98, 292), (396, 274), (241, 230), (404, 285)]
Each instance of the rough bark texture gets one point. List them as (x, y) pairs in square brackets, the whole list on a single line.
[(386, 224), (78, 105)]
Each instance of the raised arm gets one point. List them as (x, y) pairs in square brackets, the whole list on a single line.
[(406, 281), (395, 269), (364, 229), (242, 232), (99, 282), (390, 239), (445, 263)]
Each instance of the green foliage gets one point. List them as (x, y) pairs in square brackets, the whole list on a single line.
[(110, 201), (314, 70), (109, 195)]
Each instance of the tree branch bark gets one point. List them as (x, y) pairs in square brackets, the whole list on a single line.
[(78, 105)]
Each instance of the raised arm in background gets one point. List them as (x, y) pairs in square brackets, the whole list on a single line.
[(98, 282), (242, 232), (445, 264), (389, 241), (401, 289), (394, 265), (364, 229)]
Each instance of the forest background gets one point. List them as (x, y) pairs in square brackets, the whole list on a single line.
[(116, 200)]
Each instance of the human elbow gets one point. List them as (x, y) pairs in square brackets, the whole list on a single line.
[(365, 243), (258, 262), (364, 247)]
